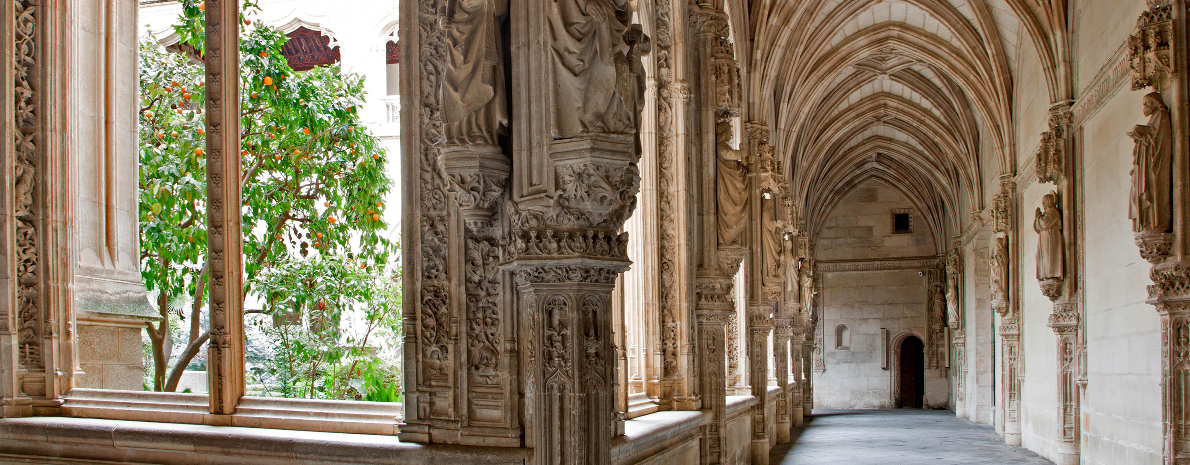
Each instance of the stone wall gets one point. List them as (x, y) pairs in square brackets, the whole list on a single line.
[(859, 232)]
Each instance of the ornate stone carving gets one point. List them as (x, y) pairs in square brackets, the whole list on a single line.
[(1051, 246), (1051, 156), (1150, 199), (1065, 323), (1151, 47), (474, 98), (1000, 275), (586, 38), (1012, 373), (1002, 206), (27, 155), (953, 318)]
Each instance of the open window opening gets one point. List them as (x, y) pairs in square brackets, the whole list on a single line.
[(322, 317)]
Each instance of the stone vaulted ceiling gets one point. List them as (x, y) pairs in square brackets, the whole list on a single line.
[(914, 93)]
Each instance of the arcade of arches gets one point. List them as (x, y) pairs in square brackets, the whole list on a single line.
[(662, 231)]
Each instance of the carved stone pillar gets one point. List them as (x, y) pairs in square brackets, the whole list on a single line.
[(959, 364), (1003, 294), (798, 386), (566, 255), (715, 305), (225, 351), (807, 373), (782, 333), (477, 176), (1010, 338), (36, 351), (759, 326), (1065, 323)]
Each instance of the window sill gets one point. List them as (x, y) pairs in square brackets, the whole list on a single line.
[(658, 432), (116, 441), (255, 412)]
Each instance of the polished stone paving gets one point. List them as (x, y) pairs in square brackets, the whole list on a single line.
[(896, 436)]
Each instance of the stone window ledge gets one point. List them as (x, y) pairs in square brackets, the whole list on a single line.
[(650, 434), (259, 412), (68, 440), (738, 405)]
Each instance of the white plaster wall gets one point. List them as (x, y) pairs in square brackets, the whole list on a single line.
[(1121, 413)]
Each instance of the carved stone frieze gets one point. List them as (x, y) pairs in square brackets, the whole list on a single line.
[(25, 164), (1151, 49)]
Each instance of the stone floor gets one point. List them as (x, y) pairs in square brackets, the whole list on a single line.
[(902, 436)]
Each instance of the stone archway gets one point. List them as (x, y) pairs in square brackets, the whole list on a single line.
[(896, 349)]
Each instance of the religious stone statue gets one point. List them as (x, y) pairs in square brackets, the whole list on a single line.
[(1149, 200), (587, 36), (939, 308), (952, 300), (999, 271), (1050, 245), (807, 289), (770, 242), (474, 99), (792, 286), (631, 79), (731, 188)]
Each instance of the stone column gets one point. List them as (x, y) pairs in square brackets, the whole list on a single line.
[(1065, 323), (1158, 58), (1003, 296), (716, 304), (1055, 159), (477, 176), (1010, 338), (225, 351), (566, 255), (782, 333), (760, 323), (798, 385)]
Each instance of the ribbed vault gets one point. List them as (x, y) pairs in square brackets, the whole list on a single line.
[(914, 93)]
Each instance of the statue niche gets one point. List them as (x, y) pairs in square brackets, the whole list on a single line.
[(474, 98), (1149, 201), (999, 275), (587, 36), (731, 188), (1050, 246)]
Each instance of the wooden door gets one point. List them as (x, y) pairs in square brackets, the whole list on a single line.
[(913, 387)]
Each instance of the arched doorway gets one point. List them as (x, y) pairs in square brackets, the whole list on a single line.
[(912, 364)]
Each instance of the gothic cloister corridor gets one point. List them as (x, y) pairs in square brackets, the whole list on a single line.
[(595, 232), (896, 437)]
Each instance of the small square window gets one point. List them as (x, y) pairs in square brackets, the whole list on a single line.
[(902, 223)]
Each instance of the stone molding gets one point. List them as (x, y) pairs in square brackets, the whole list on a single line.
[(892, 264), (1103, 87)]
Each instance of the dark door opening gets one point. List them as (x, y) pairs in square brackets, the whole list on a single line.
[(913, 383)]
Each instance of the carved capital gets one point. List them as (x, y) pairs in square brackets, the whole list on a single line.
[(1154, 247), (580, 272), (714, 294), (730, 259), (1171, 283), (477, 176), (597, 181), (706, 21), (1065, 318)]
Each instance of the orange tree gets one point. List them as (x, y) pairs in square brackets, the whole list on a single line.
[(313, 184)]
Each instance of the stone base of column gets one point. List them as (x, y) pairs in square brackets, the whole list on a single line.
[(760, 452)]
